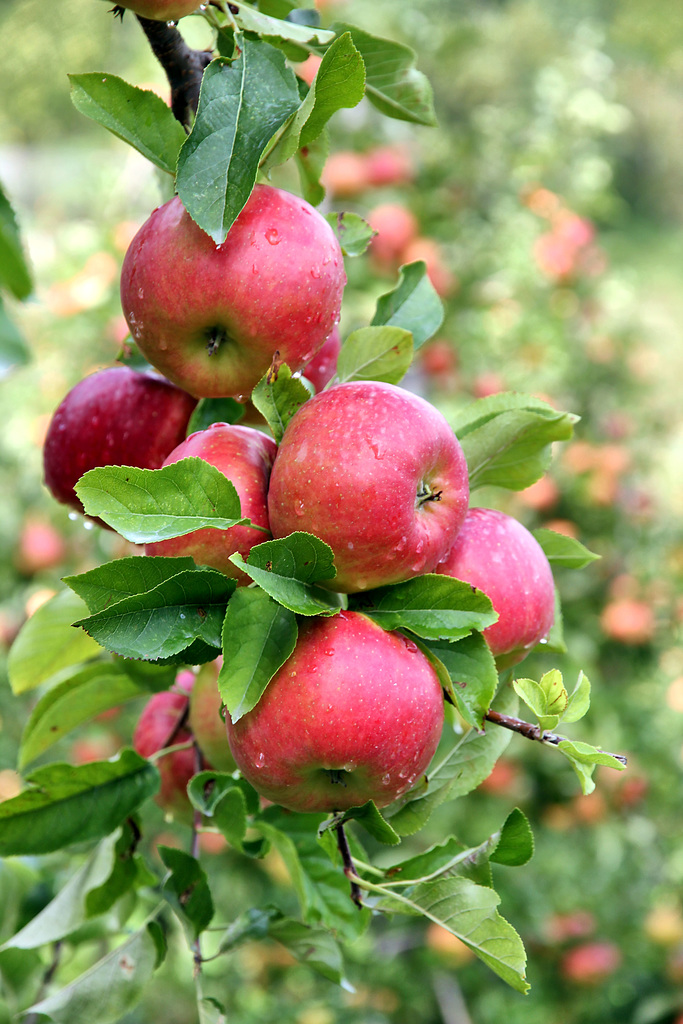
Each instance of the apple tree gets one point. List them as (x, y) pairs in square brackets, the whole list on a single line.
[(325, 630)]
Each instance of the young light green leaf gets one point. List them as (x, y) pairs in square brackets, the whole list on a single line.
[(564, 552), (547, 699), (473, 674), (432, 606), (370, 818), (167, 619), (63, 804), (14, 272), (353, 233), (107, 584), (258, 637), (579, 700), (242, 104), (109, 989), (211, 1011), (264, 25), (393, 84), (13, 348), (187, 890), (507, 439), (147, 505), (584, 758), (214, 410), (47, 643), (375, 353), (413, 304), (137, 116), (277, 398)]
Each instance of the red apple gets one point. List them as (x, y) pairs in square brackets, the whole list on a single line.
[(40, 546), (245, 456), (396, 228), (345, 174), (323, 367), (354, 714), (591, 963), (495, 553), (389, 165), (628, 621), (377, 473), (212, 317), (160, 10), (113, 417), (206, 722), (159, 727)]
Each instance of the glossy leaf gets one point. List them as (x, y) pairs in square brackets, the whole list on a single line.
[(278, 398), (370, 818), (261, 24), (111, 582), (187, 889), (413, 304), (214, 410), (547, 699), (579, 700), (14, 272), (584, 758), (432, 606), (472, 670), (375, 353), (13, 348), (353, 233), (564, 552), (288, 569)]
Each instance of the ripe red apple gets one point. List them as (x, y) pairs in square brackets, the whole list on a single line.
[(396, 228), (160, 10), (377, 473), (245, 456), (323, 366), (158, 727), (354, 714), (206, 721), (495, 553), (40, 546), (591, 963), (113, 417), (389, 165), (212, 317)]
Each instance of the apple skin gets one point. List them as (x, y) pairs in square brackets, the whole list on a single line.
[(245, 456), (206, 721), (323, 366), (155, 727), (495, 553), (114, 417), (349, 469), (274, 285), (160, 10), (351, 699), (590, 963)]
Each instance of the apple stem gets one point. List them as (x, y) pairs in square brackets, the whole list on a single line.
[(534, 732), (425, 493), (184, 67), (349, 867)]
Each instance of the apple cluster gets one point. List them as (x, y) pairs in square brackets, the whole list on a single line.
[(355, 712)]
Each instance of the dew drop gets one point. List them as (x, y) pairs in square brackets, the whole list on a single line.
[(386, 779), (141, 293), (88, 524), (315, 273), (260, 760), (329, 653), (272, 236)]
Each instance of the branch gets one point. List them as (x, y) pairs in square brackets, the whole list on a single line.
[(534, 732), (184, 67), (349, 867)]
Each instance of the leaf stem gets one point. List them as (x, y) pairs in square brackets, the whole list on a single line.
[(534, 732)]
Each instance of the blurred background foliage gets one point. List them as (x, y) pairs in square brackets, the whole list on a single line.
[(549, 208)]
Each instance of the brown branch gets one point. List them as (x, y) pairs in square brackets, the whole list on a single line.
[(349, 867), (184, 67), (534, 732)]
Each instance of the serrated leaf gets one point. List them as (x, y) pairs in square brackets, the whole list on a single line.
[(547, 699), (370, 818), (472, 670), (242, 103), (258, 637), (265, 25), (214, 410), (137, 116), (13, 348), (288, 569), (579, 700), (63, 804), (14, 272), (48, 643), (148, 505), (110, 583), (515, 845), (413, 304), (167, 619), (277, 399), (109, 989), (393, 84), (584, 758), (433, 606), (187, 889), (562, 551), (375, 353), (353, 233), (226, 801), (507, 439)]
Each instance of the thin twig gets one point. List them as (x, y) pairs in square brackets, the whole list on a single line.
[(50, 972), (534, 732), (184, 67), (349, 867)]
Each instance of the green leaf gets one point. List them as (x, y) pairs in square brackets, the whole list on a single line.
[(432, 606), (48, 643), (579, 700), (314, 947), (242, 104), (147, 505), (258, 637), (370, 818), (515, 841), (86, 693), (226, 801), (211, 1011), (13, 348), (507, 439), (187, 889), (547, 699), (564, 552), (251, 925), (167, 619), (288, 569), (413, 304), (63, 804), (375, 353), (14, 272), (393, 84), (472, 670), (109, 989), (110, 583), (138, 116), (583, 759), (264, 25), (214, 410), (469, 911), (353, 233), (278, 397), (310, 163), (128, 871)]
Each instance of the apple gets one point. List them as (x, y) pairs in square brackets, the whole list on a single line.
[(40, 547), (323, 366), (211, 318), (160, 10), (114, 417), (389, 165), (245, 456), (495, 553), (354, 714), (345, 174), (396, 228), (628, 621), (158, 727), (378, 474), (591, 963), (206, 722)]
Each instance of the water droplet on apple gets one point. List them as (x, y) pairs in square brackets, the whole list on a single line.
[(299, 509), (386, 779), (419, 564), (260, 760), (350, 545), (254, 268), (410, 646), (544, 640), (329, 653), (401, 544), (315, 273), (272, 236), (141, 293), (327, 260)]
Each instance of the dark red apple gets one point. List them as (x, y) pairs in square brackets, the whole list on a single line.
[(354, 714), (495, 553), (377, 473), (206, 722), (323, 366), (245, 456), (212, 317), (114, 417)]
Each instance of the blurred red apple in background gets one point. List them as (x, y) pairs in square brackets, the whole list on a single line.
[(206, 722), (590, 963), (323, 367)]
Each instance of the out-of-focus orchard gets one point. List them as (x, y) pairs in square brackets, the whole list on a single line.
[(549, 210)]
